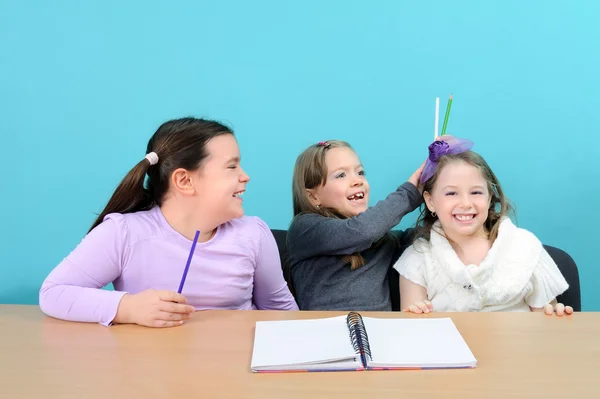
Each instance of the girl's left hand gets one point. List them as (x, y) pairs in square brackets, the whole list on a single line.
[(414, 179), (559, 309)]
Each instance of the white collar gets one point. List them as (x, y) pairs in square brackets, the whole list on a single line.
[(511, 259)]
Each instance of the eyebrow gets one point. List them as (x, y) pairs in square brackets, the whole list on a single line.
[(233, 159), (344, 168), (454, 187)]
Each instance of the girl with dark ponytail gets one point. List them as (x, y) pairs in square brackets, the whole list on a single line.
[(190, 180)]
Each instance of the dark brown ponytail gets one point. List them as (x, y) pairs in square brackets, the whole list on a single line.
[(179, 143)]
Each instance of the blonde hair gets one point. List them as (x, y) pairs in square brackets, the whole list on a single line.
[(499, 204), (310, 171)]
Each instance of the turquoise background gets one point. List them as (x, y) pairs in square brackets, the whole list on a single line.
[(83, 85)]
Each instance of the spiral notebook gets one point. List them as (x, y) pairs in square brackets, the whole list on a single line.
[(354, 343)]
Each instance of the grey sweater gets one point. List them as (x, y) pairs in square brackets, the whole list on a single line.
[(317, 244)]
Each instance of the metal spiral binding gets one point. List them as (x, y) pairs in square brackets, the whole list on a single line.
[(359, 337)]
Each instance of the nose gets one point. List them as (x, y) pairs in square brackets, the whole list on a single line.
[(357, 181), (244, 178), (465, 201)]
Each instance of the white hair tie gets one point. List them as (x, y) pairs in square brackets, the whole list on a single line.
[(152, 158)]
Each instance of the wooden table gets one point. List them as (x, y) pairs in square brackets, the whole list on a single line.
[(524, 355)]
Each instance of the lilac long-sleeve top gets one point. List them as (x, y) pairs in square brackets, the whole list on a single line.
[(239, 268)]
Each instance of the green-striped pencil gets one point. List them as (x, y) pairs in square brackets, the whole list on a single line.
[(447, 116)]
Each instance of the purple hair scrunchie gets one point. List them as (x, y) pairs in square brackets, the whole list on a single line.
[(444, 146)]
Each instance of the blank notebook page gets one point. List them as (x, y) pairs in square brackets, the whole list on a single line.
[(417, 342), (301, 341)]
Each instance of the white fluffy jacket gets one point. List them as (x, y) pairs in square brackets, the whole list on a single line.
[(516, 273)]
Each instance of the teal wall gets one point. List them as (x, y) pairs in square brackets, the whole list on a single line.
[(83, 85)]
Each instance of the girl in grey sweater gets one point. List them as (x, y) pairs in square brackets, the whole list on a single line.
[(340, 248)]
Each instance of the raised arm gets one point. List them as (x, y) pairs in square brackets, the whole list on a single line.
[(315, 235)]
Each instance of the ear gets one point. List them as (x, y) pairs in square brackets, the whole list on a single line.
[(181, 182), (313, 197), (428, 201)]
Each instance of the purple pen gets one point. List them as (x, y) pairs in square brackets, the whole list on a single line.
[(187, 265)]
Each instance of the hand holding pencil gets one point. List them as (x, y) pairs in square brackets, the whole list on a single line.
[(154, 308)]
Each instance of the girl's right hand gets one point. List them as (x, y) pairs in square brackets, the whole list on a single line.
[(152, 308), (420, 307)]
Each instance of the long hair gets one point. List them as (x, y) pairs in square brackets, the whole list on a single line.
[(499, 204), (179, 143), (310, 171)]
